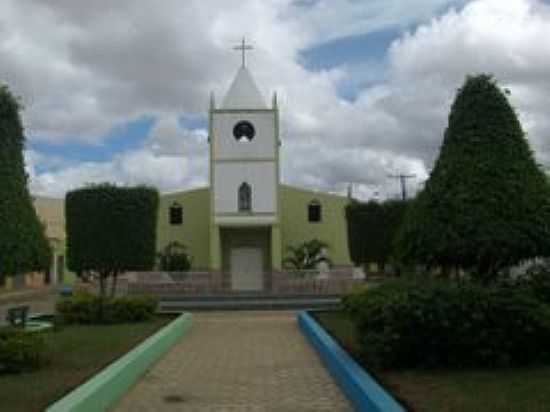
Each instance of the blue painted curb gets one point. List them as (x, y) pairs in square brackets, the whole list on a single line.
[(361, 389)]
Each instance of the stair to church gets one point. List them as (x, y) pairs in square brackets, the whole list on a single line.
[(177, 304)]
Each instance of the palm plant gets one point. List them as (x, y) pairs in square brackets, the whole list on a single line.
[(306, 256), (174, 258)]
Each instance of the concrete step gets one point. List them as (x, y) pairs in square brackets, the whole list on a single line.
[(249, 303), (245, 296)]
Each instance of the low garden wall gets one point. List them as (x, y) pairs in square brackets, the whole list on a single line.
[(108, 386), (360, 388)]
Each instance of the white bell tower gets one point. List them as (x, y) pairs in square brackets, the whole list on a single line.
[(244, 155), (244, 164)]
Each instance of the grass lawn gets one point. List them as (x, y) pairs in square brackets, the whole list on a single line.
[(525, 389), (75, 353)]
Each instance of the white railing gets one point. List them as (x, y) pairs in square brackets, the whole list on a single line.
[(333, 282)]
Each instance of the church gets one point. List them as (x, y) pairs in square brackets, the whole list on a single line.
[(242, 224), (238, 229)]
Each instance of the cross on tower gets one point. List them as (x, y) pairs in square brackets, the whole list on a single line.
[(243, 47)]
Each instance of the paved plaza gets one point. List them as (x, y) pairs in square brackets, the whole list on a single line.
[(238, 361)]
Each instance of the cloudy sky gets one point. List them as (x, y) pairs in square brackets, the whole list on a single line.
[(118, 91)]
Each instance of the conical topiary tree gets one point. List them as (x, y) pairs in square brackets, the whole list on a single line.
[(486, 204), (23, 243)]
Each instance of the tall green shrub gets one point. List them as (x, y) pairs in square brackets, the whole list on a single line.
[(372, 228), (357, 214), (23, 243), (111, 230), (486, 204)]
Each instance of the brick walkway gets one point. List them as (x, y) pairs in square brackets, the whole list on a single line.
[(238, 361)]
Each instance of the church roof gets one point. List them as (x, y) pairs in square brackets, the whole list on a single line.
[(243, 93)]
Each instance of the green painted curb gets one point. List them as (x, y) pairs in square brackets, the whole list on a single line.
[(101, 391)]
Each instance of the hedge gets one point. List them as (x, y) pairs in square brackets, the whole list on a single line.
[(85, 308), (20, 350), (405, 323), (111, 229)]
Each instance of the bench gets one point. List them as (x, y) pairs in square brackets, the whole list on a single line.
[(17, 316)]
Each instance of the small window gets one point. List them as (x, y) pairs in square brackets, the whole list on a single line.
[(314, 211), (245, 198), (176, 214)]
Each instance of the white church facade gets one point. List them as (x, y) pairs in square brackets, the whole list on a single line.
[(240, 227)]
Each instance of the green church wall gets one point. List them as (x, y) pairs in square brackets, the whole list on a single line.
[(295, 227), (194, 232), (203, 240), (276, 248)]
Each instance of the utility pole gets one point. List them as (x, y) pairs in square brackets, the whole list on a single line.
[(403, 180)]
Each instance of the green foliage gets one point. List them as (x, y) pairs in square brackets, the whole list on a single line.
[(437, 324), (174, 258), (306, 256), (23, 243), (111, 229), (372, 228), (82, 308), (486, 205), (537, 280), (130, 309), (20, 351), (85, 308)]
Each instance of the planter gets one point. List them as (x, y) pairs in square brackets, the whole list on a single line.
[(360, 387), (104, 389)]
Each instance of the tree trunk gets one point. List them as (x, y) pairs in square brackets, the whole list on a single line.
[(113, 284), (103, 276), (102, 285), (487, 272)]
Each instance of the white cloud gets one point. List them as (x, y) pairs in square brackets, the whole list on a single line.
[(84, 67), (328, 20), (508, 39), (404, 117), (132, 168), (169, 138)]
